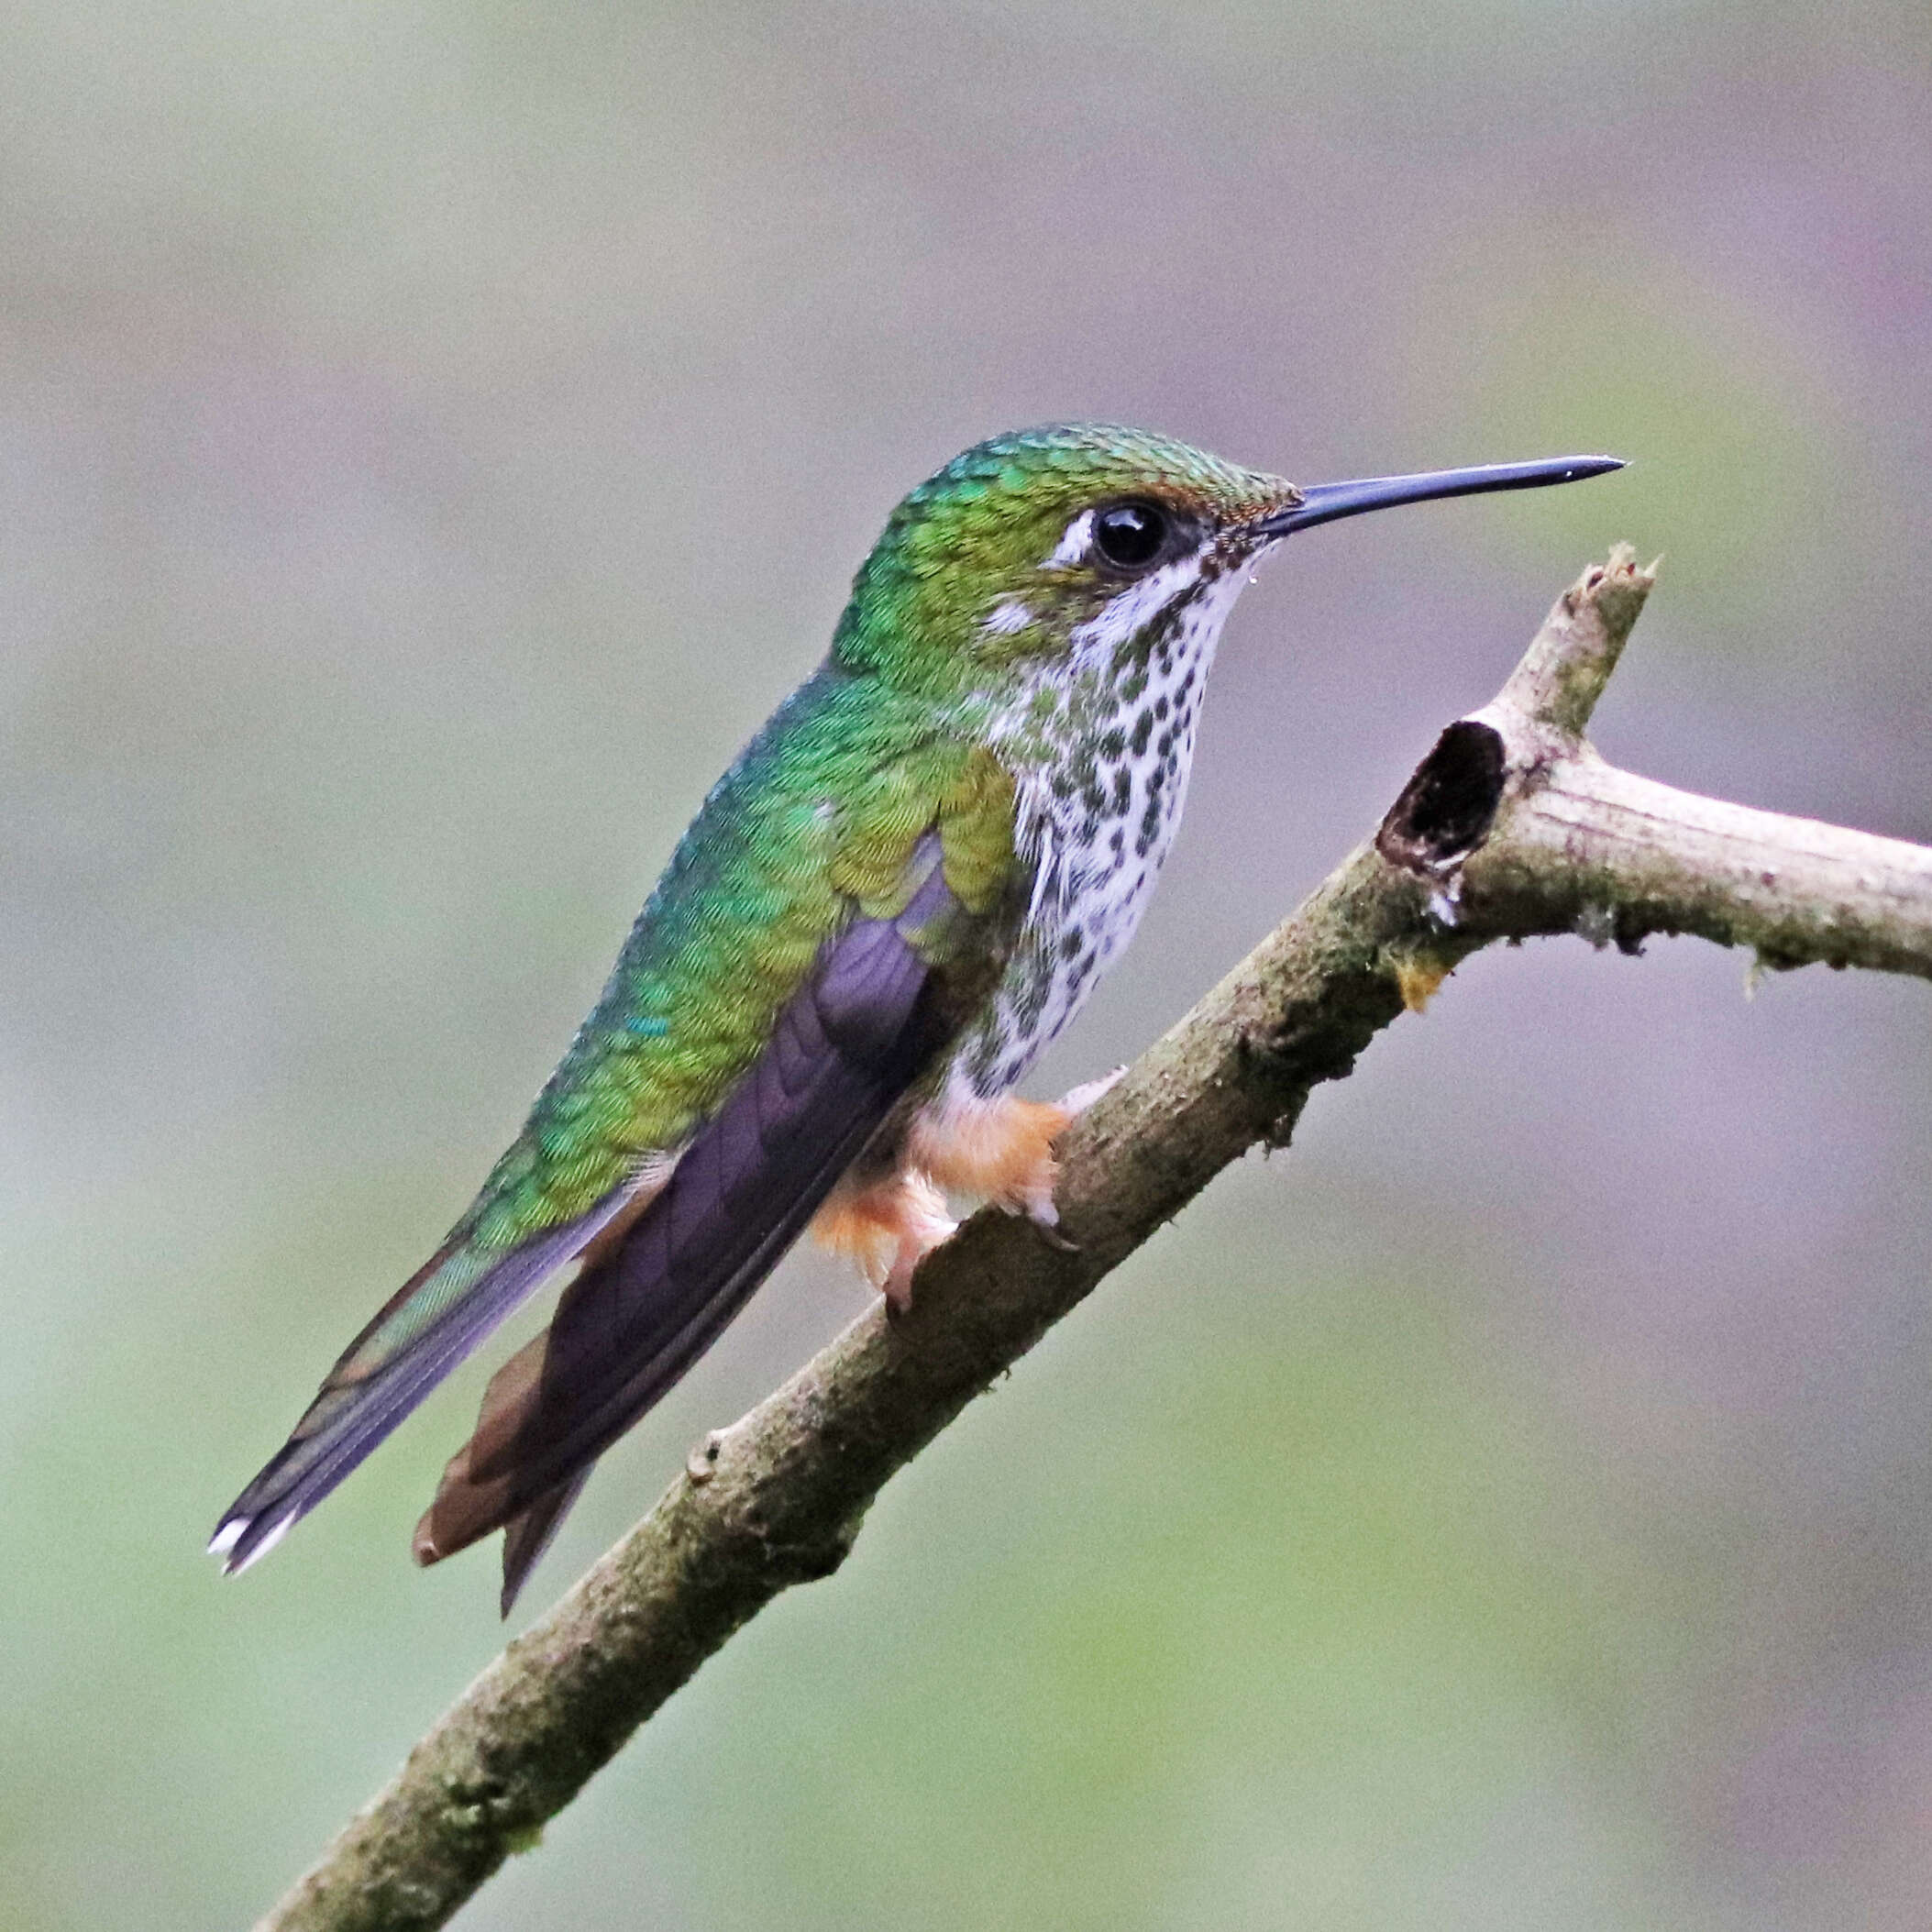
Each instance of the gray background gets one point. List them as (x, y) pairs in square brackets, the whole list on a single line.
[(432, 437)]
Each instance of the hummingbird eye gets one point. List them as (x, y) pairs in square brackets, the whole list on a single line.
[(1130, 536)]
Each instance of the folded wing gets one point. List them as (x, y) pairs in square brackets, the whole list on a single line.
[(811, 949), (870, 1017)]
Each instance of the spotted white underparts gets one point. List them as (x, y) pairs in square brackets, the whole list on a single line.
[(1102, 746)]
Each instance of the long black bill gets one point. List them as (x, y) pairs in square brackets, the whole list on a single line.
[(1323, 502)]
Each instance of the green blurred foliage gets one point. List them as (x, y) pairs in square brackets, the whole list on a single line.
[(430, 438), (1740, 438)]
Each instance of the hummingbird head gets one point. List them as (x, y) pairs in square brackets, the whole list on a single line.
[(1075, 551), (1036, 551)]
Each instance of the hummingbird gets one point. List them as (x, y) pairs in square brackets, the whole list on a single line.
[(904, 887)]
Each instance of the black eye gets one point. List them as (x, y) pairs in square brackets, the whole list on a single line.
[(1130, 535)]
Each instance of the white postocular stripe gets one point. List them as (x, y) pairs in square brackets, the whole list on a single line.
[(1122, 618), (1073, 546)]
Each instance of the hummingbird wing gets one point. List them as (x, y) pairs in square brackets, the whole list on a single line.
[(872, 1016), (840, 906)]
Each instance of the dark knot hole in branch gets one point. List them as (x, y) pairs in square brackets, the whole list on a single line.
[(1450, 802)]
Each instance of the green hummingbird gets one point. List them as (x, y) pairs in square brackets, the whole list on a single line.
[(907, 884)]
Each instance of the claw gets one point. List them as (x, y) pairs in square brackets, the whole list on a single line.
[(998, 1151), (1076, 1100)]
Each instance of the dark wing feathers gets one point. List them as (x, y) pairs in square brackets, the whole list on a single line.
[(868, 1019), (526, 1537)]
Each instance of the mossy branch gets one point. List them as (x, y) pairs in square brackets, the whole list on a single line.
[(1512, 826)]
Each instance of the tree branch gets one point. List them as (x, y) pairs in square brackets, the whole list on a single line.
[(1512, 826)]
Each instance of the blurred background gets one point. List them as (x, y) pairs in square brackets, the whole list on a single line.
[(432, 437)]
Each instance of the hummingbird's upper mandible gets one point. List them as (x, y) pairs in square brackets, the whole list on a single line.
[(908, 883)]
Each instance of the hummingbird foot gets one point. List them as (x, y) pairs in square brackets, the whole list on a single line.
[(1070, 1105), (888, 1225), (997, 1151), (1077, 1099)]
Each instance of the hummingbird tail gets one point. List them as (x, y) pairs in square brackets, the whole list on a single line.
[(526, 1537), (378, 1382)]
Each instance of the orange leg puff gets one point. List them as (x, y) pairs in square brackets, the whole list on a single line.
[(998, 1151), (888, 1225)]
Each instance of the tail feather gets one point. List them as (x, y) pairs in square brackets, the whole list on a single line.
[(359, 1405), (526, 1537)]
